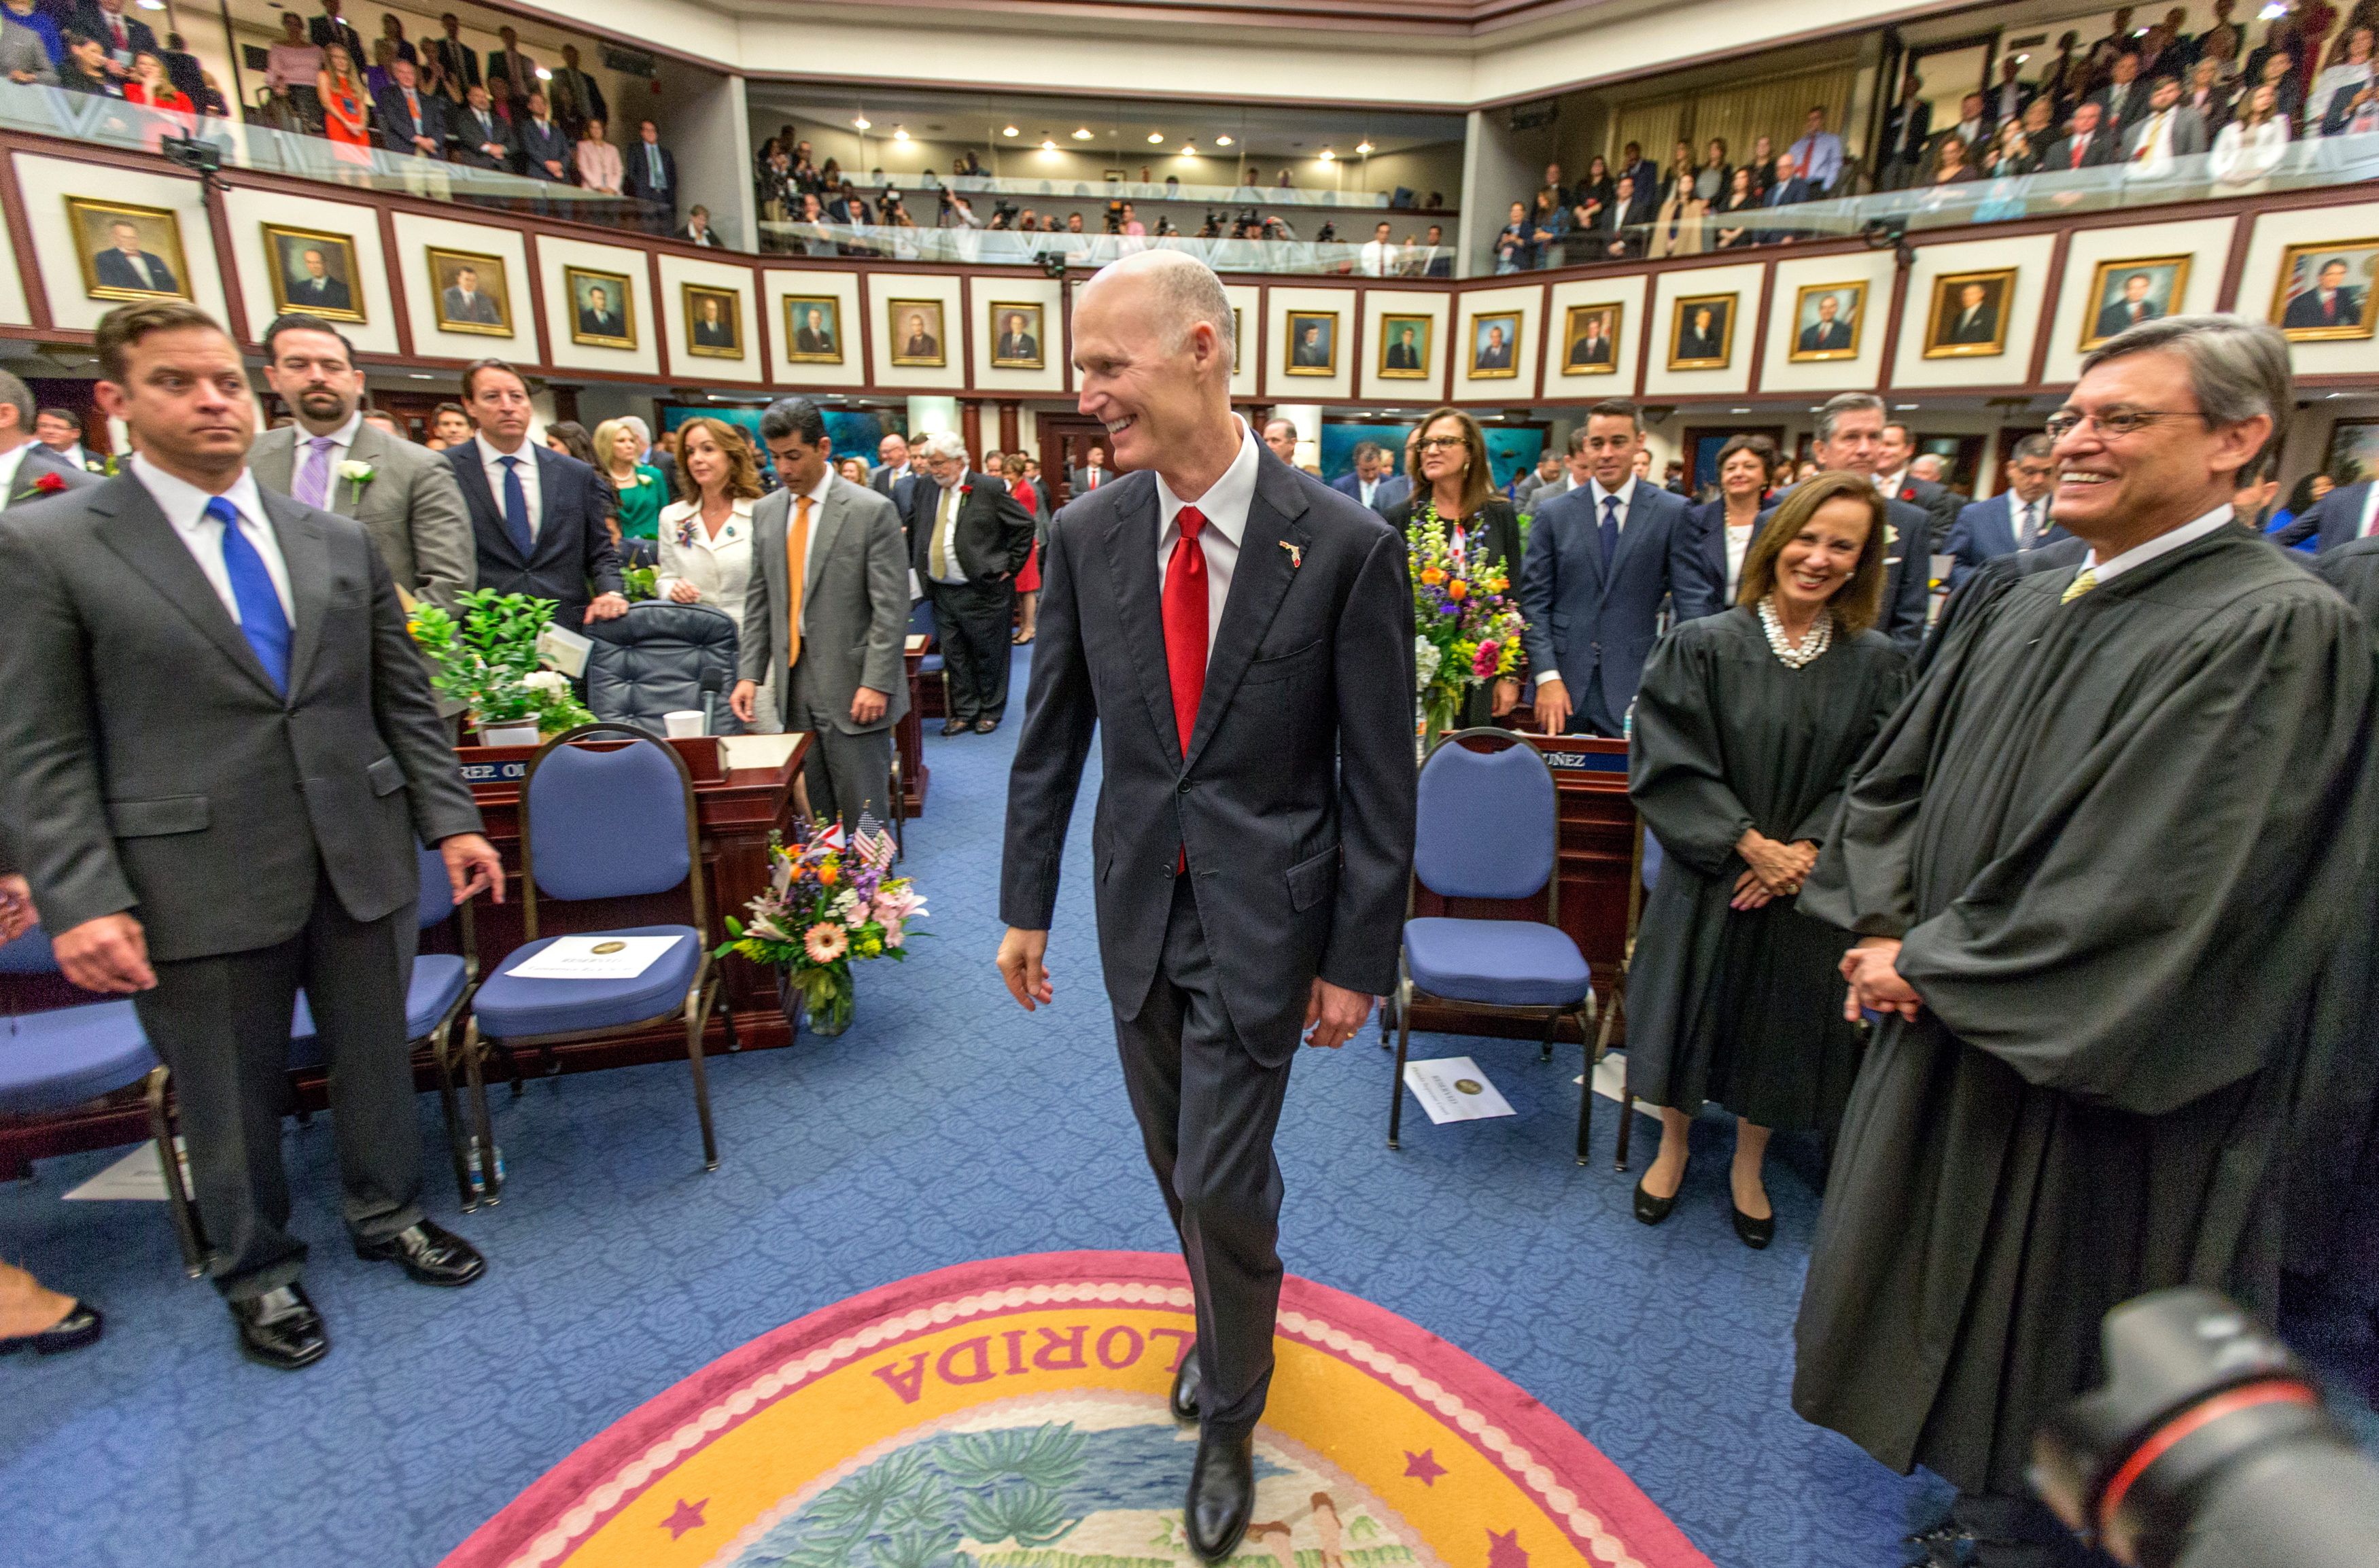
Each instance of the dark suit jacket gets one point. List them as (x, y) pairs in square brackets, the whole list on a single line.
[(1906, 130), (2102, 148), (893, 487), (1938, 501), (636, 176), (1294, 796), (1348, 484), (38, 461), (1499, 521), (2113, 319), (1987, 530), (1823, 337), (1908, 571), (90, 21), (397, 128), (323, 33), (2333, 518), (2134, 110), (1597, 630), (456, 62), (572, 549), (594, 326), (534, 145), (1982, 328), (325, 293), (464, 133), (994, 533), (114, 271), (147, 763), (2304, 310)]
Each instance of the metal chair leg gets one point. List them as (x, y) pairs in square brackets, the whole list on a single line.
[(440, 1040), (492, 1184), (188, 1233), (1626, 1115), (699, 1006), (1584, 1085), (1552, 1029), (1396, 1083)]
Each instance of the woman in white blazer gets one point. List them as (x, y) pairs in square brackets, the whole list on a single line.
[(706, 554)]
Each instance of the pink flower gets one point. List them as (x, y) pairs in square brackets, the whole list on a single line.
[(1483, 662), (825, 942)]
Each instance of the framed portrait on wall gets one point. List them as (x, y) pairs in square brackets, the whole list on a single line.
[(714, 321), (1827, 322), (1590, 340), (1494, 346), (2325, 290), (474, 292), (314, 273), (1016, 336), (1405, 347), (915, 326), (1701, 332), (2123, 293), (2353, 457), (602, 312), (128, 252), (1312, 342), (1969, 319), (813, 329)]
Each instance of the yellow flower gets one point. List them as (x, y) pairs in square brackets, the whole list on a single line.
[(1431, 575)]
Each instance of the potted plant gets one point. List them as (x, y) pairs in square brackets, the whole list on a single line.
[(487, 660), (829, 905)]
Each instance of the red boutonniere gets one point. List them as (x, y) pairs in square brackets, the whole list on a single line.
[(51, 482), (1908, 493), (966, 490)]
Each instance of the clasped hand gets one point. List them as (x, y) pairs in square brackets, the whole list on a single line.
[(1872, 970), (1774, 869)]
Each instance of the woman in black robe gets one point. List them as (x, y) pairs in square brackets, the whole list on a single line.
[(1453, 481), (1746, 727)]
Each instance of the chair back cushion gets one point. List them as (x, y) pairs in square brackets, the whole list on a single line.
[(607, 823), (1487, 822), (437, 889), (30, 954), (651, 661)]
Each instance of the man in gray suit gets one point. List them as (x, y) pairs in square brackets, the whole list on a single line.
[(405, 497), (837, 642), (29, 471), (217, 755)]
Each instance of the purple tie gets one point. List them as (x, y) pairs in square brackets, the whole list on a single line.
[(313, 486)]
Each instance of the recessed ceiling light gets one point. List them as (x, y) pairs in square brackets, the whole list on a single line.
[(1188, 150), (899, 133), (1081, 133), (1222, 141), (1048, 147), (862, 122), (1325, 155), (1156, 137), (1363, 146), (1007, 130)]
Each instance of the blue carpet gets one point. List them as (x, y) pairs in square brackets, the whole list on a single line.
[(946, 1126)]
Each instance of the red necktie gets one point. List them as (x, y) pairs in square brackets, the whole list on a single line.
[(1185, 633), (2079, 149), (121, 42)]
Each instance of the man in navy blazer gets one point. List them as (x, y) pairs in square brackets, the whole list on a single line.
[(2345, 514), (1239, 638), (1851, 440), (648, 177), (2017, 518), (1600, 559), (537, 516), (1368, 483)]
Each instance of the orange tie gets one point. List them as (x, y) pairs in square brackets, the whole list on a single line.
[(797, 553)]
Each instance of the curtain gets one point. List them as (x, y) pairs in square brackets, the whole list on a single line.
[(1774, 107)]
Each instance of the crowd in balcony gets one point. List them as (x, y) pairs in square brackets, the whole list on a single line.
[(2147, 105)]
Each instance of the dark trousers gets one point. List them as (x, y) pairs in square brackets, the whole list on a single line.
[(222, 1024), (975, 622), (1207, 1110), (1590, 714)]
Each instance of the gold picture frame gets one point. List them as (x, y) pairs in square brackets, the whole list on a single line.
[(712, 334), (1408, 347), (922, 320), (1494, 346), (485, 306), (114, 270), (2104, 315), (1586, 356), (1818, 335), (603, 308), (1699, 343), (1313, 356), (315, 273), (823, 334), (1967, 324), (1022, 351), (2302, 267)]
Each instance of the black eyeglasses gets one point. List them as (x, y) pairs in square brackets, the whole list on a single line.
[(1441, 443), (2114, 425)]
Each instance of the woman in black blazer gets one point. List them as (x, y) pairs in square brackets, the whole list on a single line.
[(1456, 487)]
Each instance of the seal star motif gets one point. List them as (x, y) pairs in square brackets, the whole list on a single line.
[(687, 1517), (1423, 1467)]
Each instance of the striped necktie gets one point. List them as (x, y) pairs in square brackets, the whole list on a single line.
[(2081, 585)]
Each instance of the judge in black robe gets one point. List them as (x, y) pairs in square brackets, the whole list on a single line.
[(1745, 1006), (2114, 837)]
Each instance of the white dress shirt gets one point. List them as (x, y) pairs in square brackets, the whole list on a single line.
[(718, 565), (945, 524), (1366, 489), (1738, 545), (185, 506), (2163, 544), (1378, 258), (493, 462), (10, 461), (2021, 513), (1224, 508), (1596, 494), (2363, 529)]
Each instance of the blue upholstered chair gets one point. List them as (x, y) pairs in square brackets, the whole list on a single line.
[(1516, 969), (605, 821), (930, 668)]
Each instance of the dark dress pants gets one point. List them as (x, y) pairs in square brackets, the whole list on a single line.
[(222, 1024), (1590, 714), (975, 624), (845, 775), (1207, 1110)]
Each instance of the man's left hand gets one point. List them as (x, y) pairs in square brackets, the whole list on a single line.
[(16, 908), (1874, 981), (1332, 1014), (472, 865), (867, 705), (606, 606)]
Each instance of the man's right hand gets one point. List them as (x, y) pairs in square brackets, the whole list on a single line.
[(738, 700), (109, 954), (1552, 707), (1020, 964)]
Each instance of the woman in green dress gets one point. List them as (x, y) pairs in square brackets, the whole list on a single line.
[(1746, 727), (642, 490)]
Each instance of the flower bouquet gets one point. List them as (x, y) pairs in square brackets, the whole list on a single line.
[(830, 904), (1467, 623), (488, 660)]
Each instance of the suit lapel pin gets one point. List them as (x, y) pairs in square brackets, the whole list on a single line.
[(1296, 554)]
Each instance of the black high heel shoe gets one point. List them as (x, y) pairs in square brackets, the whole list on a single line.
[(1651, 1210), (1754, 1234)]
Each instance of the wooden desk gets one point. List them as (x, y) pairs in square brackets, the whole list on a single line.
[(1597, 852)]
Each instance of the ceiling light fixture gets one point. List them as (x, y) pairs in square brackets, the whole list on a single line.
[(1325, 155), (1048, 147), (862, 122), (1007, 130), (1156, 137), (899, 133), (1222, 141), (1364, 147), (1081, 133)]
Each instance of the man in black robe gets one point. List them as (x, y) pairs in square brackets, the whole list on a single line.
[(2095, 861)]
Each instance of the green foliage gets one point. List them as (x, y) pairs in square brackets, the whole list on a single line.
[(1050, 1455), (1029, 1515), (638, 582), (487, 660)]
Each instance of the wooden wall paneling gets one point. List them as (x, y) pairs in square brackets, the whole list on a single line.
[(400, 313), (758, 284), (2234, 265), (664, 321), (2049, 296), (536, 297), (1892, 328), (227, 263), (20, 241), (1760, 329)]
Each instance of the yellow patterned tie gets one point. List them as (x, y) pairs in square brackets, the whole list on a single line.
[(2080, 586)]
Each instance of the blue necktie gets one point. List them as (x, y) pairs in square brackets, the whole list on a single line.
[(262, 619), (1609, 531), (516, 509)]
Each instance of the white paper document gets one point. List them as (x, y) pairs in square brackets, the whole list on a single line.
[(757, 751), (559, 648), (596, 957), (1610, 1077), (136, 1177), (1453, 1090)]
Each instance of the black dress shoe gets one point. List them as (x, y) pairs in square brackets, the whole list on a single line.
[(80, 1327), (957, 726), (1651, 1210), (427, 1253), (1754, 1234), (985, 726), (1222, 1495), (280, 1329), (1183, 1400)]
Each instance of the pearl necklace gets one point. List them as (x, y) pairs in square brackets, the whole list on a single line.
[(1820, 637)]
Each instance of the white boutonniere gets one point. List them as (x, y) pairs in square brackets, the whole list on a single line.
[(355, 473)]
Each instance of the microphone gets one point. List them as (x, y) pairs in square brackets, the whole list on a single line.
[(712, 683)]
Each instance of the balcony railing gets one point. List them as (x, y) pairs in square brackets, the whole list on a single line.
[(987, 247)]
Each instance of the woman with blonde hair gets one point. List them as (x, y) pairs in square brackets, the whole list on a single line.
[(1746, 727), (1453, 489), (618, 448), (344, 120)]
